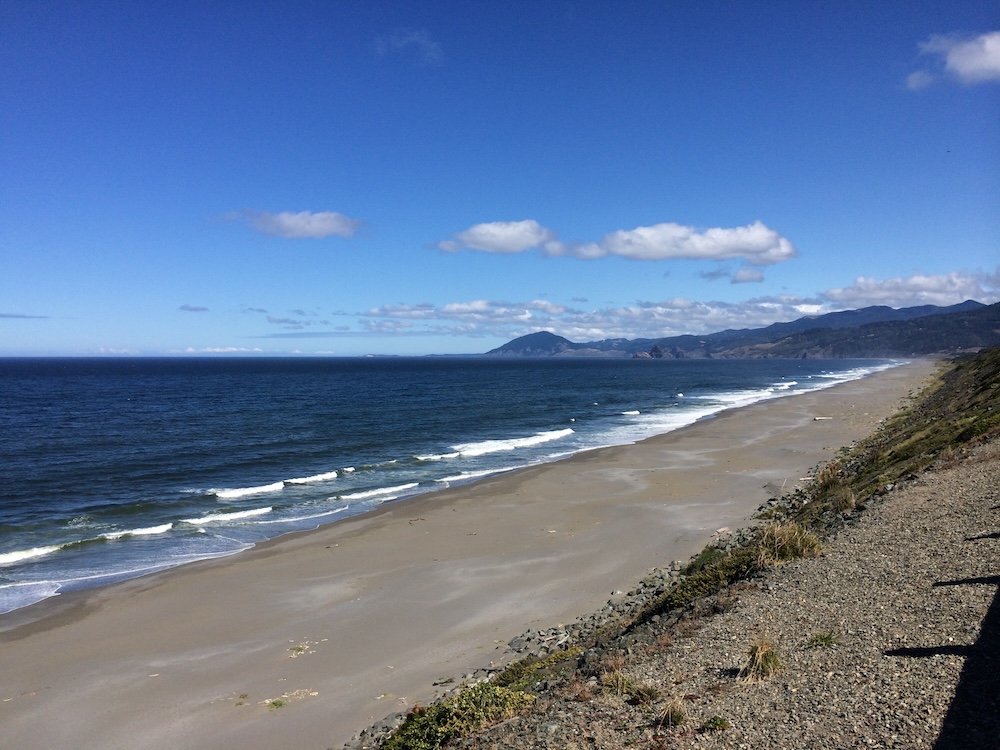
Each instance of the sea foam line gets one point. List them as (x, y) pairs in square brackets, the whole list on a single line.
[(380, 492), (147, 531), (295, 519), (324, 477), (498, 446), (468, 475), (244, 491), (227, 516)]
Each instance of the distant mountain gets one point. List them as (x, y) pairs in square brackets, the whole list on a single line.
[(868, 332), (541, 344)]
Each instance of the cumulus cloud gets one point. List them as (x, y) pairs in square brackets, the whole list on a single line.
[(301, 225), (416, 44), (755, 243), (193, 308), (500, 237), (940, 289), (969, 60)]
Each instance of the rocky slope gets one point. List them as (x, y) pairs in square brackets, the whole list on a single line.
[(877, 624)]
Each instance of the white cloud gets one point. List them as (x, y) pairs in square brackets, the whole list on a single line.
[(969, 60), (755, 243), (500, 237), (941, 289), (193, 308), (301, 225), (644, 319), (674, 316), (416, 43), (222, 350)]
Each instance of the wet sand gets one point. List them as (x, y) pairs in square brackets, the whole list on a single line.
[(358, 619)]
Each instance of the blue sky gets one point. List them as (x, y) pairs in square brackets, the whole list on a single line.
[(417, 177)]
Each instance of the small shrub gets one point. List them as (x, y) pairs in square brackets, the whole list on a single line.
[(645, 694), (763, 661), (828, 477), (842, 500), (430, 727), (519, 674), (711, 554), (715, 724), (787, 541), (617, 683), (673, 713), (739, 564), (823, 640)]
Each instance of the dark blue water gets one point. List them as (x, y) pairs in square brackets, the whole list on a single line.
[(112, 468)]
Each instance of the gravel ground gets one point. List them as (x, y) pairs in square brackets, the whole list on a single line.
[(909, 595)]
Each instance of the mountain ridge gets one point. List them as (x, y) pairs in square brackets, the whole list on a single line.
[(875, 331)]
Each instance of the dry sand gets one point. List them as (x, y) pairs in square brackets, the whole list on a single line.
[(356, 620)]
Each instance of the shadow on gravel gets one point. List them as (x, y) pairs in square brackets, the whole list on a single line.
[(994, 535), (973, 719)]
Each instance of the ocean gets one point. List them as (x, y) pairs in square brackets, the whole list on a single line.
[(115, 468)]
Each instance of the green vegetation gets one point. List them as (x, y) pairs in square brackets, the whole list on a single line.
[(781, 542), (713, 569), (430, 727), (708, 556), (673, 714), (960, 409), (715, 724), (617, 683), (763, 661), (823, 640), (519, 674)]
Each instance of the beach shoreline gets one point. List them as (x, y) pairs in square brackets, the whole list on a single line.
[(356, 620)]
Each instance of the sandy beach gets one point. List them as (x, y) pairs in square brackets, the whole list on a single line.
[(305, 640)]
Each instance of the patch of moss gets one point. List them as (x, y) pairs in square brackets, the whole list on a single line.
[(519, 674), (711, 554)]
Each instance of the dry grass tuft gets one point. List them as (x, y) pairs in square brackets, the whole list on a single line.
[(781, 542), (763, 661), (673, 713)]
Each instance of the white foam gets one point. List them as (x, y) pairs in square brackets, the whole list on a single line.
[(633, 413), (437, 456), (227, 516), (244, 491), (294, 519), (10, 558), (325, 477), (498, 446), (147, 531), (21, 594), (383, 491), (466, 476)]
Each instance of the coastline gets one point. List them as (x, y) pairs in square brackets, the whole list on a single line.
[(359, 618)]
